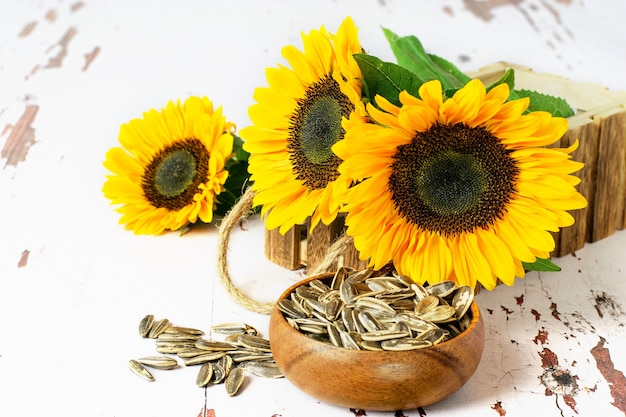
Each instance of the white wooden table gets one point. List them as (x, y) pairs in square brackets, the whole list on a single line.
[(74, 284)]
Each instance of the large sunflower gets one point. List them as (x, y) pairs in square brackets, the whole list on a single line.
[(459, 188), (296, 120), (170, 167)]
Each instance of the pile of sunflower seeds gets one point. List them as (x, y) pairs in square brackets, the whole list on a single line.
[(357, 310), (227, 361)]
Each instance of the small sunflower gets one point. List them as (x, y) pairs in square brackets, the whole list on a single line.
[(460, 188), (296, 120), (170, 167)]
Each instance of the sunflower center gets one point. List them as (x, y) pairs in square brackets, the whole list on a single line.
[(451, 182), (315, 126), (175, 173), (320, 129), (172, 178), (452, 179)]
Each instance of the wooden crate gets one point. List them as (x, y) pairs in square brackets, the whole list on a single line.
[(600, 126)]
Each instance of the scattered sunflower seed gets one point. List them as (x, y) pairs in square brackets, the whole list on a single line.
[(138, 369), (234, 380), (145, 325), (159, 362), (241, 346)]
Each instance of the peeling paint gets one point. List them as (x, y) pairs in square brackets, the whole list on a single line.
[(52, 15), (499, 409), (548, 358), (89, 57), (519, 300), (542, 337), (484, 9), (615, 378), (57, 60), (555, 312), (21, 138), (571, 402), (558, 381), (606, 303), (27, 29), (399, 413), (23, 259), (358, 413), (421, 411), (536, 314), (77, 6), (206, 412)]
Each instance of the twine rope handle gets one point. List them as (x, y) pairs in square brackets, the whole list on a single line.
[(241, 210)]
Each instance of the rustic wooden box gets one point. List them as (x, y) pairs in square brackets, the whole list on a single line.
[(600, 126)]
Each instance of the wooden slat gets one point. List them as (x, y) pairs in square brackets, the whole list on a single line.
[(319, 240), (283, 250), (351, 259), (607, 196), (586, 132)]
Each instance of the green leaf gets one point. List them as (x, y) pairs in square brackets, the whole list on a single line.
[(544, 102), (238, 176), (542, 265), (411, 55), (507, 78), (386, 79)]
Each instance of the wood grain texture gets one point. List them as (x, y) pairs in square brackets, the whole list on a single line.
[(608, 193), (283, 250)]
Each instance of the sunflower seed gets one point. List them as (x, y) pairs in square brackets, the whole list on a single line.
[(442, 288), (254, 342), (380, 335), (158, 328), (145, 325), (234, 380), (183, 330), (348, 341), (190, 352), (204, 375), (177, 337), (197, 360), (158, 362), (138, 369), (462, 300), (439, 314), (230, 328), (173, 348), (264, 369), (213, 345), (426, 304), (405, 343), (226, 363)]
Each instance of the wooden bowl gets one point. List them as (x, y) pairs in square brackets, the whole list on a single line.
[(369, 380)]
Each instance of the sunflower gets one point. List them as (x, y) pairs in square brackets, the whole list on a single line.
[(170, 167), (461, 188), (295, 122)]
